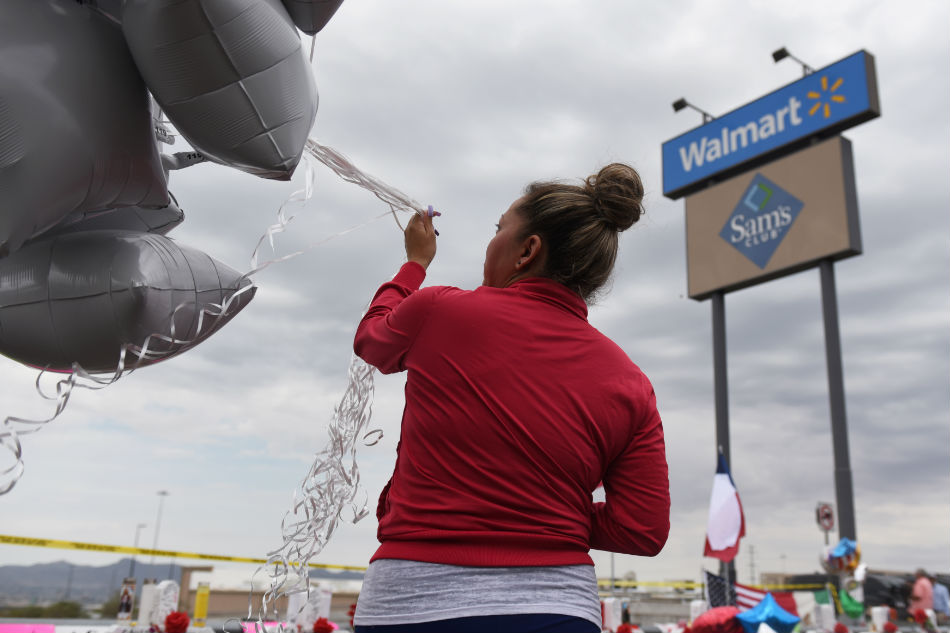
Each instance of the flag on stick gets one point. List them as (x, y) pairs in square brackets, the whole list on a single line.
[(726, 523), (745, 597), (717, 590)]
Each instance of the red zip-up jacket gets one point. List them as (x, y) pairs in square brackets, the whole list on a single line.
[(516, 409)]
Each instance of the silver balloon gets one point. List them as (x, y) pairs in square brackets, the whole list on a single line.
[(139, 219), (84, 297), (311, 16), (231, 75), (111, 9), (75, 126)]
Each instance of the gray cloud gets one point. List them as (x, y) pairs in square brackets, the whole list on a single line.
[(460, 105)]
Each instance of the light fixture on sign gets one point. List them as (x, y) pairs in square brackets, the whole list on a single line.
[(782, 53), (681, 104)]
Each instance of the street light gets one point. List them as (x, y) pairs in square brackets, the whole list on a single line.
[(681, 104), (782, 53), (158, 522), (138, 528)]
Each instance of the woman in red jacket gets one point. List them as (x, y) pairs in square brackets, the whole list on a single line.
[(516, 409)]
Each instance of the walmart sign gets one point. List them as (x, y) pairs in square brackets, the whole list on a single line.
[(825, 102)]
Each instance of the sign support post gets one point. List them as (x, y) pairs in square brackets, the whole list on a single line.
[(720, 376), (839, 423), (721, 389)]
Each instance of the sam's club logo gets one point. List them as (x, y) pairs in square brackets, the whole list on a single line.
[(761, 220)]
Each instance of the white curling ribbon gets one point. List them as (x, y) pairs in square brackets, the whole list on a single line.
[(373, 437), (342, 167), (330, 486)]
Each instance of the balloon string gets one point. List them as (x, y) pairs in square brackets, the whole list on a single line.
[(346, 170)]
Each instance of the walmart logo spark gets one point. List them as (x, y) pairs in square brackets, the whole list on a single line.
[(824, 99)]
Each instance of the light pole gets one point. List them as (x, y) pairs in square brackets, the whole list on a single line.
[(158, 521), (138, 528)]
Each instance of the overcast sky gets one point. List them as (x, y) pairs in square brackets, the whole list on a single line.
[(460, 105)]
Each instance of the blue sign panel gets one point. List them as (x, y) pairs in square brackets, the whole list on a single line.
[(827, 101), (761, 220)]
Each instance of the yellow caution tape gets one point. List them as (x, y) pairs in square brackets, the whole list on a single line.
[(686, 584), (676, 584), (122, 549)]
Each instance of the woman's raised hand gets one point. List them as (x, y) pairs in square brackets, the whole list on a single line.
[(420, 239)]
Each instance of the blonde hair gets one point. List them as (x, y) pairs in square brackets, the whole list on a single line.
[(579, 224)]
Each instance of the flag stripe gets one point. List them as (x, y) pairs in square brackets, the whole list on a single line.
[(748, 597)]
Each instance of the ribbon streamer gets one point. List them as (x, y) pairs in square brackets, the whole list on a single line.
[(331, 485)]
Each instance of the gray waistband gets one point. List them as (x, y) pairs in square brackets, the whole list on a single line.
[(403, 591)]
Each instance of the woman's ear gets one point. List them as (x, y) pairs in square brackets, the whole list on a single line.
[(530, 251)]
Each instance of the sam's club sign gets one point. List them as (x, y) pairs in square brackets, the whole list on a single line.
[(760, 221), (824, 102)]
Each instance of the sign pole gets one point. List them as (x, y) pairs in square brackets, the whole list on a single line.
[(720, 379), (721, 390), (839, 423)]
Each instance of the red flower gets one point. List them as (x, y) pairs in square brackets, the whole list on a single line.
[(625, 628), (840, 628), (920, 616), (176, 622), (890, 627), (322, 625)]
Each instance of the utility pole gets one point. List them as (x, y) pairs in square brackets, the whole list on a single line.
[(69, 582), (138, 528), (158, 522), (752, 564)]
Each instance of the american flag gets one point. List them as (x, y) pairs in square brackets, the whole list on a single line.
[(719, 593), (748, 597)]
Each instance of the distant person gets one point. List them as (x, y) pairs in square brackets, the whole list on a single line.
[(922, 593), (941, 600), (516, 409), (125, 604)]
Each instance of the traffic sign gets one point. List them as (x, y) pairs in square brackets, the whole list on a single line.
[(825, 516)]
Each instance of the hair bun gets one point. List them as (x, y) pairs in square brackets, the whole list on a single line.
[(618, 193)]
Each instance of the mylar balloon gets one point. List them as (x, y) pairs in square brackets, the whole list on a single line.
[(75, 126), (311, 16), (718, 620), (231, 75), (80, 297), (769, 612), (139, 219)]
